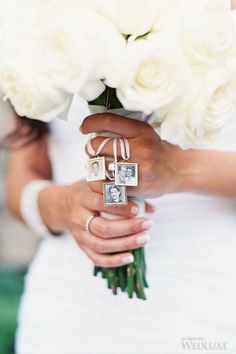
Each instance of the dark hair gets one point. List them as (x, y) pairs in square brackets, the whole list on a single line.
[(114, 186), (95, 163), (30, 130)]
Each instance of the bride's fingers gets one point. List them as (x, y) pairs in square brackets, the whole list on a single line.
[(109, 122), (108, 148), (108, 261), (110, 228), (118, 228), (94, 202), (119, 244), (105, 228)]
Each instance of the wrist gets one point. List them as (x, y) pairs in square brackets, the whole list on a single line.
[(51, 201), (193, 170), (214, 174), (203, 173)]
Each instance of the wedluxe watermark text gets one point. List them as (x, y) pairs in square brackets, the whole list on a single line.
[(202, 344)]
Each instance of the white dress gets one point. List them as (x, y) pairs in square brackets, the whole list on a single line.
[(191, 258)]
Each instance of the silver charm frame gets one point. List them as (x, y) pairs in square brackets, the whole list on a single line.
[(109, 199), (98, 173), (128, 181)]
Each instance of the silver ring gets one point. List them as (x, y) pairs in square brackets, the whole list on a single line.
[(88, 223)]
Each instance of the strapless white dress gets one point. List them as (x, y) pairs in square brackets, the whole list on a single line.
[(191, 258)]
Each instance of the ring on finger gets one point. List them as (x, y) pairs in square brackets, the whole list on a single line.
[(88, 223)]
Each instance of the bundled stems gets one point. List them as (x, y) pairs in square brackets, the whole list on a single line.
[(130, 279)]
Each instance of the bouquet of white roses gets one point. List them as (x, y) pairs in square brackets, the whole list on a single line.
[(170, 61), (174, 59)]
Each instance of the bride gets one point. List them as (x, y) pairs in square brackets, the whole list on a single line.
[(189, 237), (190, 255)]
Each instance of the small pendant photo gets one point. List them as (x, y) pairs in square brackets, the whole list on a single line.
[(96, 169), (126, 174), (114, 195)]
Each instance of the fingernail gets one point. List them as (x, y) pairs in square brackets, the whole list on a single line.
[(127, 260), (143, 239), (147, 225), (134, 210)]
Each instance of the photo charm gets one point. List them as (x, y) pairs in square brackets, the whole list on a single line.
[(114, 195), (96, 169), (126, 174)]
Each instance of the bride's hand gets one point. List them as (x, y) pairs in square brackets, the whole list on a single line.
[(163, 168), (109, 242)]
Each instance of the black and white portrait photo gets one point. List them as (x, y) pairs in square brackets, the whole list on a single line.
[(96, 169), (126, 174), (114, 195)]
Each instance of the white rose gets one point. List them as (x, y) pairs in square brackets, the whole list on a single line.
[(205, 111), (50, 40), (63, 56), (153, 75), (20, 18), (30, 93), (79, 47), (132, 17), (92, 90), (107, 45), (233, 15), (168, 13), (207, 31), (62, 41)]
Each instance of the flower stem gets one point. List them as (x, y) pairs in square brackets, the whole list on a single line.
[(122, 278), (139, 274), (130, 278), (130, 282)]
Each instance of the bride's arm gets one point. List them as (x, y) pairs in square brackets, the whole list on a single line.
[(165, 168), (27, 163), (233, 4)]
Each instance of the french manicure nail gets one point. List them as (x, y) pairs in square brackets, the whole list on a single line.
[(143, 239), (128, 260), (147, 225), (134, 210)]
